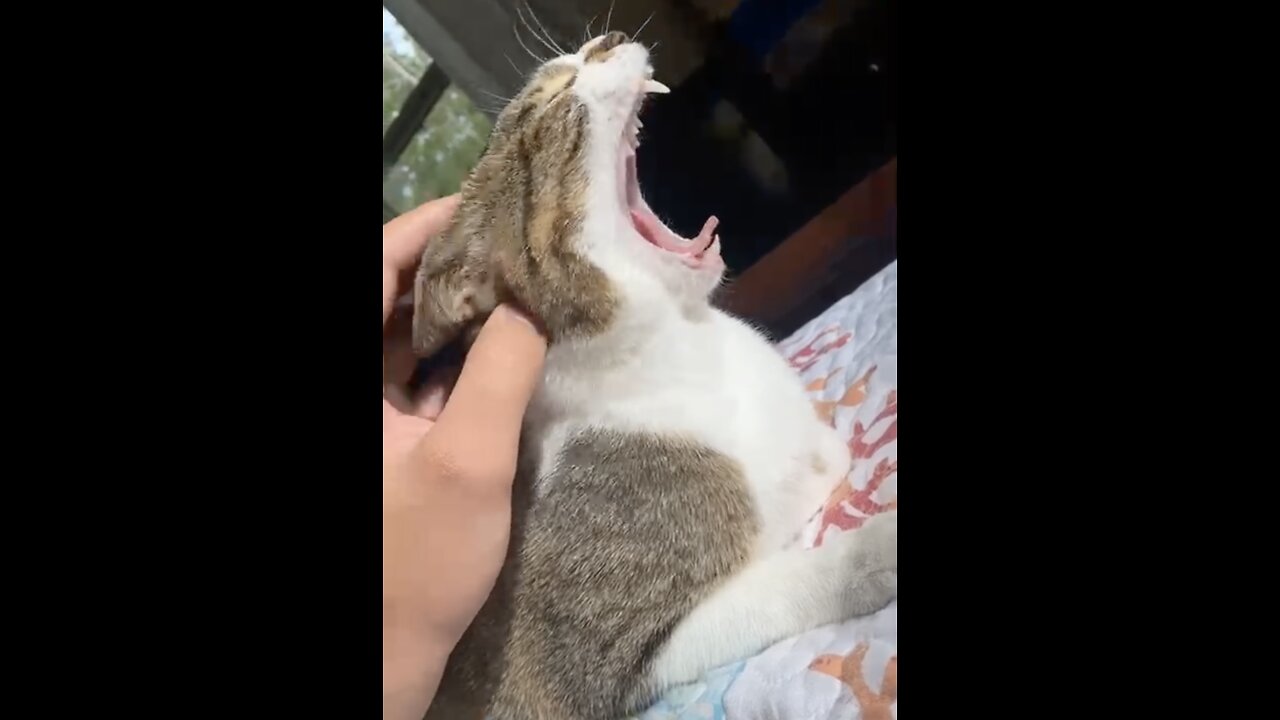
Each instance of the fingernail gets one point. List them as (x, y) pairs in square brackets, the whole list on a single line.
[(517, 314)]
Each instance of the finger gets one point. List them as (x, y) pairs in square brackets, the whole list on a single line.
[(430, 400), (481, 422), (397, 398), (401, 433), (403, 240), (398, 359)]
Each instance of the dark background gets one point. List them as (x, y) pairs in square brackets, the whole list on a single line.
[(762, 154), (777, 106)]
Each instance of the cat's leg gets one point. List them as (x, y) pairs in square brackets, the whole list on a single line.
[(832, 452), (783, 594), (828, 466)]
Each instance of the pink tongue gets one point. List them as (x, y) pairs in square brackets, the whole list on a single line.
[(656, 233), (706, 236)]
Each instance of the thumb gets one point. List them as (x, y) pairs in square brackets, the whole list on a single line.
[(501, 372)]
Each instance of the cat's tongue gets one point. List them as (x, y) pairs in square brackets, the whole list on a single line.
[(655, 232)]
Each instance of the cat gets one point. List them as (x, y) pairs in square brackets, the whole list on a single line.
[(670, 454)]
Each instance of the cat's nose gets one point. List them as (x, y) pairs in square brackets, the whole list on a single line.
[(599, 51), (614, 39)]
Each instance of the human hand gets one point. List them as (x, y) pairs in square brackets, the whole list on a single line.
[(448, 460)]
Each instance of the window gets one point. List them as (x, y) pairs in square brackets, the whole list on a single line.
[(403, 64), (432, 133)]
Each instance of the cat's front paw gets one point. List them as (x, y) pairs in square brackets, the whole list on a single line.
[(832, 459), (873, 560), (878, 541)]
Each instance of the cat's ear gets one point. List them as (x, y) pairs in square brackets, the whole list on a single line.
[(452, 290)]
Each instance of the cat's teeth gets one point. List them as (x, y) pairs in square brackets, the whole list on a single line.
[(653, 86)]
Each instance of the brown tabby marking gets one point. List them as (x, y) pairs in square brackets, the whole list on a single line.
[(635, 531), (513, 236), (604, 46)]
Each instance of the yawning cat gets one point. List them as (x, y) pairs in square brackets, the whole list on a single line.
[(669, 457)]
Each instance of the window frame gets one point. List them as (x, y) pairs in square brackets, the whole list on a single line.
[(411, 117)]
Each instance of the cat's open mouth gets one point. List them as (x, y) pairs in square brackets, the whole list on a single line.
[(693, 251)]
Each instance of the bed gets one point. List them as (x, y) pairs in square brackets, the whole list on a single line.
[(847, 356)]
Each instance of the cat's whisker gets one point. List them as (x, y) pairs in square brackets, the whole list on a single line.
[(516, 29), (513, 65), (550, 42), (587, 33), (534, 32), (499, 98), (642, 26), (608, 17)]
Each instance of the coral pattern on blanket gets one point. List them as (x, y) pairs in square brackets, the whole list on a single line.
[(860, 449), (848, 670), (848, 507), (835, 513), (807, 356), (852, 397)]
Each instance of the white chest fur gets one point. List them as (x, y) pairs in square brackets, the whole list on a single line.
[(710, 378)]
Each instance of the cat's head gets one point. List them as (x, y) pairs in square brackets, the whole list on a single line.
[(552, 217)]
